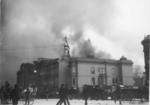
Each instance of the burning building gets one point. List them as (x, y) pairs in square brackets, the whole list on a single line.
[(78, 71)]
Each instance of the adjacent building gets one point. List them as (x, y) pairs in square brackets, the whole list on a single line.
[(139, 79), (146, 47), (41, 73), (25, 75)]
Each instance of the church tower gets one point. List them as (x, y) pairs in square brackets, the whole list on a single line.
[(146, 49), (66, 48)]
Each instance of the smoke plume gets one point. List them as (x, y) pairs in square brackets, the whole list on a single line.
[(35, 28)]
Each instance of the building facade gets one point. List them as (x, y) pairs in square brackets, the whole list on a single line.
[(77, 71), (146, 49), (25, 75), (102, 72), (41, 73)]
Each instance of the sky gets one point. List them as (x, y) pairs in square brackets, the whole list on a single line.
[(35, 28)]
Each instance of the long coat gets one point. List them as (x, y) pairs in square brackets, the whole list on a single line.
[(15, 96)]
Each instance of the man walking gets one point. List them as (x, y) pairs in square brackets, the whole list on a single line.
[(66, 93), (61, 95)]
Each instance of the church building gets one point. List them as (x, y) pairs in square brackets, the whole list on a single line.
[(78, 71)]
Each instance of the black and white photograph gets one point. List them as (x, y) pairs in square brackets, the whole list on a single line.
[(74, 52)]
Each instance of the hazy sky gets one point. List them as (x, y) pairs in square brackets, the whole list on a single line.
[(35, 28)]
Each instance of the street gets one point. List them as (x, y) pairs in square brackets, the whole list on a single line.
[(81, 102)]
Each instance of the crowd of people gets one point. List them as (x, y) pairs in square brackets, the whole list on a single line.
[(97, 93), (117, 93), (9, 93)]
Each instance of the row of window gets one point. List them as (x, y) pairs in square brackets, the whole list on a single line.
[(116, 80), (101, 81), (99, 69)]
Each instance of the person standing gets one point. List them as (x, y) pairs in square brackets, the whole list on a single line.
[(85, 93), (27, 96), (114, 93), (118, 92), (15, 95), (46, 94)]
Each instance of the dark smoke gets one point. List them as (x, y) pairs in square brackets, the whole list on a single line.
[(86, 49), (34, 28)]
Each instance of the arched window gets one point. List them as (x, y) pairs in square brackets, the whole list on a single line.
[(101, 70), (73, 81), (92, 70), (93, 81), (98, 69), (113, 71), (73, 70)]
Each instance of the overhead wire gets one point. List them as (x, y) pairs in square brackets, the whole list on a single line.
[(25, 47), (16, 57), (3, 50)]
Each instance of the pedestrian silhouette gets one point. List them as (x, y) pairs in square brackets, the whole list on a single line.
[(27, 96), (85, 93), (15, 95), (118, 92), (66, 94), (62, 95)]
